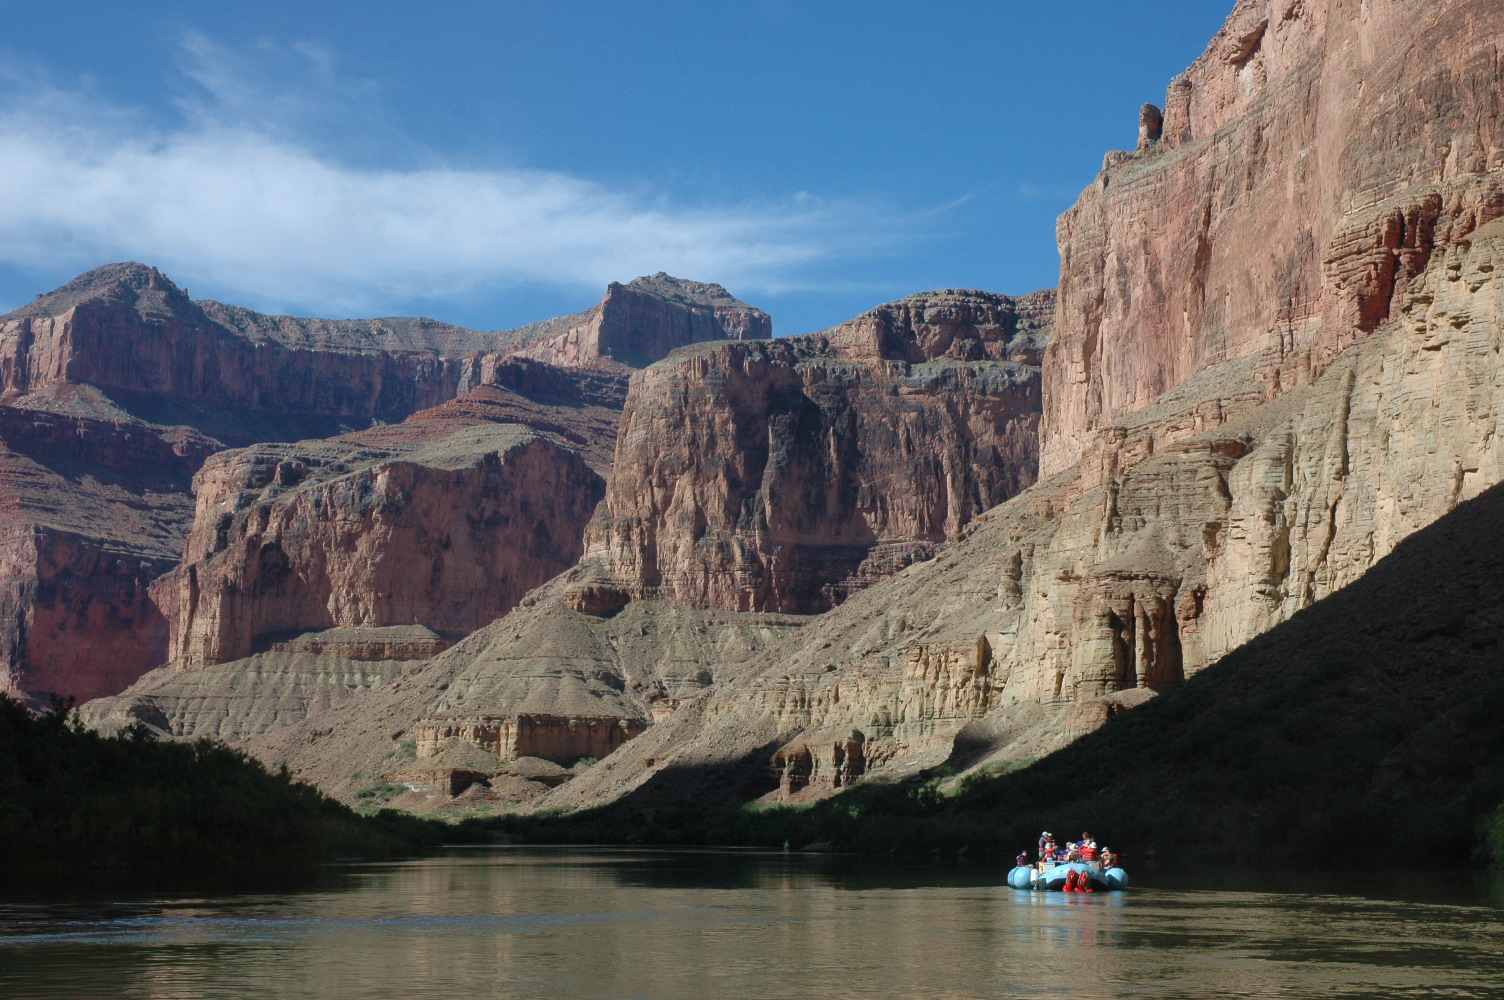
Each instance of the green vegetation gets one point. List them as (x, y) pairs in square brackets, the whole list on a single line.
[(1491, 836), (370, 798), (71, 796)]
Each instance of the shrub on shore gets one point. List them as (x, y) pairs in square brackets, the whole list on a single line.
[(72, 796)]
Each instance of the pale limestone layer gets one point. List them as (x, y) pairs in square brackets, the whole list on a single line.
[(236, 701), (545, 680)]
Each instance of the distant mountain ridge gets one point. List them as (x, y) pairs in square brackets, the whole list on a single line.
[(120, 364)]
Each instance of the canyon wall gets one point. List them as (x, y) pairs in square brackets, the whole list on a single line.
[(446, 533), (1275, 356), (116, 386), (92, 510), (1091, 591), (1304, 170), (640, 322), (129, 331), (781, 475)]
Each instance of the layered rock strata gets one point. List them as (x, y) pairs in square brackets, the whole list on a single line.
[(1306, 167), (1276, 357), (121, 359), (444, 522), (127, 330), (560, 738), (1089, 592), (545, 680), (1073, 602), (639, 323), (91, 511), (782, 475)]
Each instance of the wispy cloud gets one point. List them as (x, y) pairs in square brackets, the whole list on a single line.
[(240, 190)]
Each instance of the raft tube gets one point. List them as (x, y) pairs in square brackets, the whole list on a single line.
[(1054, 877)]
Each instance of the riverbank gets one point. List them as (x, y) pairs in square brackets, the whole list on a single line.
[(72, 797), (1364, 730)]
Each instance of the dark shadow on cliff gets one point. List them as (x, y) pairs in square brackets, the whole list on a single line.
[(1367, 729)]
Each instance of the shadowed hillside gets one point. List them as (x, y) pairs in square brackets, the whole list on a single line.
[(1369, 727), (69, 796)]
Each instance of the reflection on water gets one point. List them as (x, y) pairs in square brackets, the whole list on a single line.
[(540, 922)]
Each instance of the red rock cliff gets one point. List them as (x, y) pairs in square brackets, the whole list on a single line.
[(91, 511), (641, 322), (1306, 167), (102, 377), (443, 522), (779, 475), (129, 331)]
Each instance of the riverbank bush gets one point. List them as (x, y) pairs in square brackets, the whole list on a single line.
[(70, 796), (1491, 837)]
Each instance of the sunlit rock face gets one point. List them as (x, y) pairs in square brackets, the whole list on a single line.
[(783, 475), (640, 322), (1275, 358), (446, 532), (1306, 168), (1093, 590), (115, 387)]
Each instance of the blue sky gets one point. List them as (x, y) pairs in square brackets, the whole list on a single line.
[(495, 163)]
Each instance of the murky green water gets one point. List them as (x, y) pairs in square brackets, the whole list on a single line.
[(536, 922)]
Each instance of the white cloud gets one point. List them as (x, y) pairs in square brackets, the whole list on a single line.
[(237, 193)]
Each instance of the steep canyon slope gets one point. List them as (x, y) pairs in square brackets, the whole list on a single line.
[(117, 386), (1276, 356), (753, 481), (1305, 168), (1092, 590), (782, 475)]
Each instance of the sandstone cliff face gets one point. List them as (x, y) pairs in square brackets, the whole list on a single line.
[(1276, 358), (641, 322), (103, 377), (1306, 168), (1084, 595), (1074, 601), (91, 510), (781, 475), (444, 522), (131, 332)]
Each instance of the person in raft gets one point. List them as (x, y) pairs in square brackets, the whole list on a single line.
[(1047, 849)]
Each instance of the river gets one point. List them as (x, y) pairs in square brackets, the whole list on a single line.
[(555, 922)]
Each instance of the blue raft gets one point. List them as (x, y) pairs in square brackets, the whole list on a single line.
[(1053, 877)]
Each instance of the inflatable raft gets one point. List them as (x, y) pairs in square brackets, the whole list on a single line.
[(1054, 876)]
